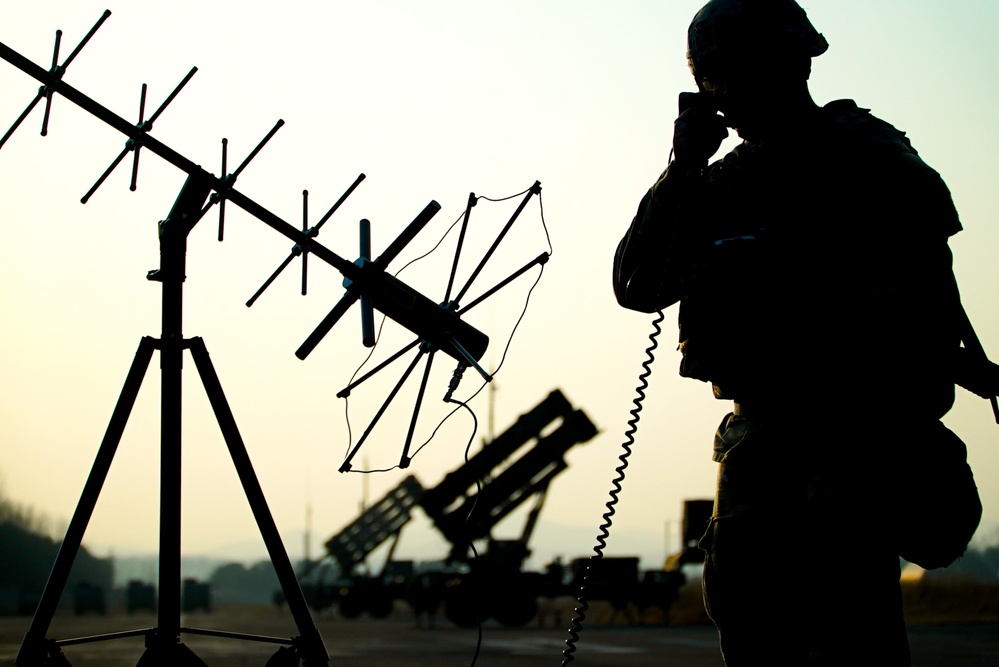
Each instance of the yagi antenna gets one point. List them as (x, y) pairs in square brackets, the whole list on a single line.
[(163, 646), (56, 73), (438, 326), (134, 144), (453, 335), (302, 249), (220, 195)]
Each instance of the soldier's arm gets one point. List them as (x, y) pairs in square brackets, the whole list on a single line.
[(656, 259), (660, 254)]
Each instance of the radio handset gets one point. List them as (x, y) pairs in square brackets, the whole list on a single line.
[(696, 100), (700, 128)]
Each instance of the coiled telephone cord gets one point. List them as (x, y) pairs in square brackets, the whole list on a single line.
[(568, 654)]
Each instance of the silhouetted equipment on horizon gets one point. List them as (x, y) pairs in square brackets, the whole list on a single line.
[(88, 598), (465, 506), (438, 327), (140, 595), (474, 586), (197, 595), (26, 556)]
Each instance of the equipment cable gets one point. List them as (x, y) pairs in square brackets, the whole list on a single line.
[(506, 348), (568, 654)]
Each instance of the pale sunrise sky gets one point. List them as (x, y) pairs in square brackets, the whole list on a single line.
[(430, 100)]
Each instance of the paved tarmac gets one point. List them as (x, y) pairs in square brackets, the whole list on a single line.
[(398, 641)]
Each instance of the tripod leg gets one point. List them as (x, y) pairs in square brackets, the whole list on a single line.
[(313, 649), (33, 648)]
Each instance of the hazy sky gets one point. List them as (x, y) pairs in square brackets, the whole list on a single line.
[(431, 100)]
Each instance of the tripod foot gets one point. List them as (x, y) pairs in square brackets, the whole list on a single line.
[(286, 656), (40, 652), (170, 655)]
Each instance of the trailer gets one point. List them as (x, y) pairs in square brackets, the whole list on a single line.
[(482, 577), (472, 584)]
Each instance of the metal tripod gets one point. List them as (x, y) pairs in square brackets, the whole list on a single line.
[(163, 645)]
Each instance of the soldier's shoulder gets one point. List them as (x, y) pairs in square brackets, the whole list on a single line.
[(853, 126)]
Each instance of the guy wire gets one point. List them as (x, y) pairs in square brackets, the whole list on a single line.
[(568, 654)]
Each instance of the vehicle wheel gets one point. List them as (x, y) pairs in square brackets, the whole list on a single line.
[(462, 608), (351, 604), (380, 605), (516, 610)]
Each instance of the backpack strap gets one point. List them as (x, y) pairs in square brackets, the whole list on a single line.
[(974, 371)]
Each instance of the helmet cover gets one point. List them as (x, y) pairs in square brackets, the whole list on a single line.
[(726, 34)]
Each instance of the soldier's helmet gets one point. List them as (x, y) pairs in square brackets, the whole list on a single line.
[(727, 36)]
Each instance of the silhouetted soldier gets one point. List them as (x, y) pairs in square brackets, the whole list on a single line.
[(814, 279)]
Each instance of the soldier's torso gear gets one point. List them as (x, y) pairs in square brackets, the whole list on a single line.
[(827, 273)]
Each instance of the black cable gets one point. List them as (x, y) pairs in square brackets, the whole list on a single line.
[(371, 352), (506, 347), (346, 401), (459, 404), (468, 518), (568, 654)]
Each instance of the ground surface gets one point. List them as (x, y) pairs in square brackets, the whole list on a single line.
[(398, 641)]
